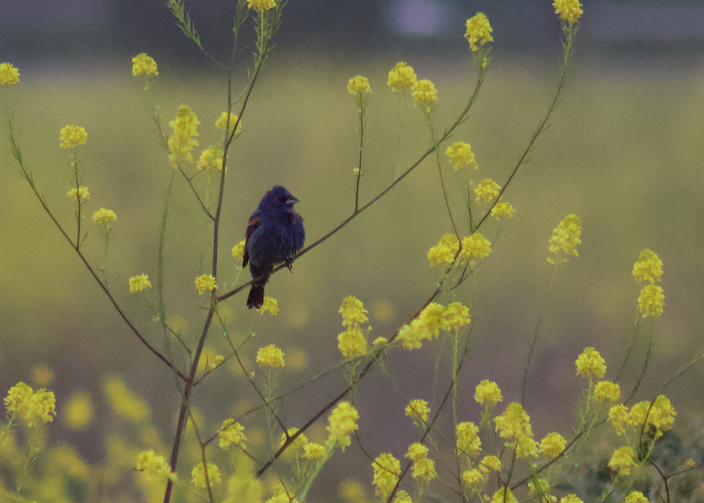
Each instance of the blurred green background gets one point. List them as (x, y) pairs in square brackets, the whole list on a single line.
[(624, 151)]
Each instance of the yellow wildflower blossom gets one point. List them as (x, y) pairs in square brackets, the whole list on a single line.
[(651, 301), (402, 78), (9, 75), (205, 282), (590, 362), (198, 475), (139, 283), (568, 10), (270, 356), (565, 239), (72, 136), (478, 31), (358, 85), (444, 252), (460, 154), (425, 94), (142, 64)]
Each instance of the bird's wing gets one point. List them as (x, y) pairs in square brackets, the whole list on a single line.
[(253, 224)]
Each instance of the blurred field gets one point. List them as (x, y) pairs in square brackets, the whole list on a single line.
[(624, 151)]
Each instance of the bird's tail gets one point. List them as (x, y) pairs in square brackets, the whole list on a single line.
[(256, 293)]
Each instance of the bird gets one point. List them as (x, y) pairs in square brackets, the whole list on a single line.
[(274, 235)]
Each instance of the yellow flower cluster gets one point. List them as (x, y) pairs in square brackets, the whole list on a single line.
[(104, 216), (622, 460), (358, 85), (543, 488), (468, 441), (568, 10), (352, 342), (270, 356), (270, 305), (261, 5), (205, 282), (71, 136), (460, 154), (296, 447), (143, 64), (222, 122), (474, 246), (79, 193), (487, 189), (590, 362), (565, 238), (231, 433), (430, 321), (341, 424), (661, 415), (402, 78), (423, 466), (425, 94), (387, 470), (198, 475), (124, 402), (503, 495), (9, 75), (502, 210), (181, 142), (487, 393), (238, 250), (636, 497), (515, 423), (211, 159), (478, 31), (149, 462), (419, 411), (607, 390), (139, 283), (649, 268), (29, 404), (553, 444)]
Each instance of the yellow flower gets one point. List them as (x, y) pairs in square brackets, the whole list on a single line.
[(142, 64), (619, 418), (352, 343), (341, 423), (181, 142), (568, 10), (543, 489), (553, 444), (231, 433), (648, 268), (402, 78), (590, 362), (387, 470), (515, 423), (502, 210), (487, 189), (205, 282), (503, 495), (313, 451), (478, 31), (72, 136), (433, 319), (417, 451), (662, 414), (651, 301), (490, 464), (444, 252), (353, 312), (636, 497), (81, 193), (238, 250), (606, 389), (198, 475), (460, 154), (104, 216), (472, 477), (425, 94), (424, 469), (270, 305), (622, 460), (149, 462), (456, 316), (402, 497), (358, 85), (475, 246), (79, 411), (270, 356), (565, 239), (571, 498), (222, 122), (419, 411), (210, 159), (9, 75), (124, 402), (30, 404), (139, 283), (487, 393), (468, 441), (411, 335), (261, 5)]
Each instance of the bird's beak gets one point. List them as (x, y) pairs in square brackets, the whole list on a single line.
[(291, 201)]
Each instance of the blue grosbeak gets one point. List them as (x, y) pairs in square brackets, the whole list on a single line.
[(274, 234)]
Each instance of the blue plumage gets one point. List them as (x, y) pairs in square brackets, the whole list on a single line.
[(274, 235)]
